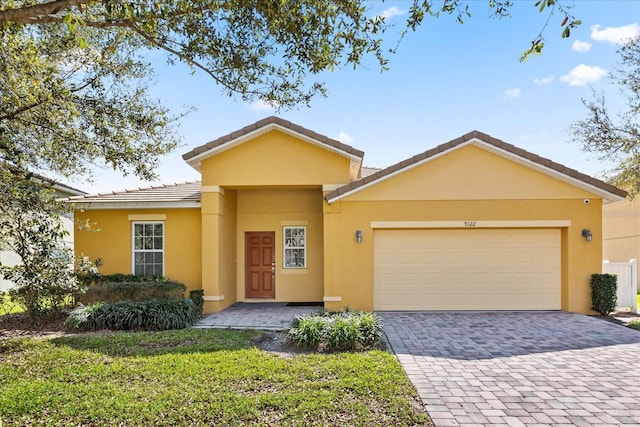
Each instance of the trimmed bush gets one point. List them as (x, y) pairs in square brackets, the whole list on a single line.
[(155, 314), (604, 293), (336, 331), (112, 292), (130, 278)]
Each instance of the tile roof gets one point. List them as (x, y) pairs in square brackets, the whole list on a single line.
[(272, 120), (181, 192), (475, 135), (368, 170)]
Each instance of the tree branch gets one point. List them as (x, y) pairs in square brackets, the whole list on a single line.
[(188, 61), (54, 19), (29, 14), (25, 108)]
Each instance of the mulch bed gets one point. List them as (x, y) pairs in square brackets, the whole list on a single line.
[(20, 325)]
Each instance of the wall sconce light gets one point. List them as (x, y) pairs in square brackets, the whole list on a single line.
[(359, 236), (586, 233)]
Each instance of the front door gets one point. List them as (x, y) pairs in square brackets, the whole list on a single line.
[(260, 264)]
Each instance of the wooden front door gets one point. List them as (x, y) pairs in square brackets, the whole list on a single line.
[(260, 261)]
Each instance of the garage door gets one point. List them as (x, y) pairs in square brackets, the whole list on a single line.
[(453, 269)]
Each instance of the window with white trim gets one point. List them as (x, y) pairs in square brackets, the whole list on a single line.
[(148, 248), (295, 247)]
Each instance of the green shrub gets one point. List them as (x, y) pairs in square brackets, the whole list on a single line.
[(604, 293), (308, 331), (336, 331), (112, 292), (197, 297), (130, 278), (155, 314)]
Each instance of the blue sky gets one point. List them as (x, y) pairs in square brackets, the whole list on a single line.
[(446, 80)]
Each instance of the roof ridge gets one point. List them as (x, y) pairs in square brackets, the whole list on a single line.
[(488, 139), (131, 190), (271, 120)]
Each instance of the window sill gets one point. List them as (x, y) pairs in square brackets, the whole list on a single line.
[(294, 271)]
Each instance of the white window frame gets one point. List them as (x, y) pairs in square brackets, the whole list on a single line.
[(286, 247), (133, 244)]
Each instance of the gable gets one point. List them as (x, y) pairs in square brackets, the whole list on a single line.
[(470, 172), (276, 158), (294, 163)]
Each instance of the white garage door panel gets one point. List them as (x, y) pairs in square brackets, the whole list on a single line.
[(506, 269)]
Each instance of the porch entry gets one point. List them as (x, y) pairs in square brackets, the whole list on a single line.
[(260, 264)]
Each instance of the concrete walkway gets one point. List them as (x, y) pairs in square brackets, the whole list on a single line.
[(519, 369), (266, 316)]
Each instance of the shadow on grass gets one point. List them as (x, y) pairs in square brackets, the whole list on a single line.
[(158, 343)]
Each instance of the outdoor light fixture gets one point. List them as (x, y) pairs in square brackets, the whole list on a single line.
[(359, 236), (586, 233)]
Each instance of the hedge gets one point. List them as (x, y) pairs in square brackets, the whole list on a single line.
[(111, 292), (604, 293)]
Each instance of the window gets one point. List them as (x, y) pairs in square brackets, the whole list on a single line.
[(295, 247), (148, 248)]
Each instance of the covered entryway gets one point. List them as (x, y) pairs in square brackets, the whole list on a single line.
[(467, 269), (260, 264)]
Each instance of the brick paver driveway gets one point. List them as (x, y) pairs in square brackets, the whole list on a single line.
[(543, 368)]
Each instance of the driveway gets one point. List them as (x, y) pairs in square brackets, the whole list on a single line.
[(519, 369)]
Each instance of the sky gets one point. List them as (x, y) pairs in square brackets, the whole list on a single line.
[(445, 80)]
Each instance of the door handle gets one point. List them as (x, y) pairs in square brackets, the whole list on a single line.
[(273, 269)]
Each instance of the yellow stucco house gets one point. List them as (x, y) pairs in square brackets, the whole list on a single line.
[(285, 214)]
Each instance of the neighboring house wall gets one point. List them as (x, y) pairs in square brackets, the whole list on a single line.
[(110, 238), (9, 259), (621, 231), (469, 184)]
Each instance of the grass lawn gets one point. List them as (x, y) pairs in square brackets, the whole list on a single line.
[(196, 377)]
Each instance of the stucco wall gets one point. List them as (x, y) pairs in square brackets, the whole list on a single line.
[(467, 185), (275, 158), (621, 231), (110, 239), (271, 210)]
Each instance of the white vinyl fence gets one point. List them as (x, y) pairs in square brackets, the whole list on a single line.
[(627, 273)]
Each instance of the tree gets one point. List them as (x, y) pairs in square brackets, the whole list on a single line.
[(257, 48), (616, 138), (30, 226)]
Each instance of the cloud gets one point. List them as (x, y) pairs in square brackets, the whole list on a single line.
[(584, 74), (344, 137), (543, 81), (261, 105), (615, 34), (391, 12), (580, 46), (512, 93)]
